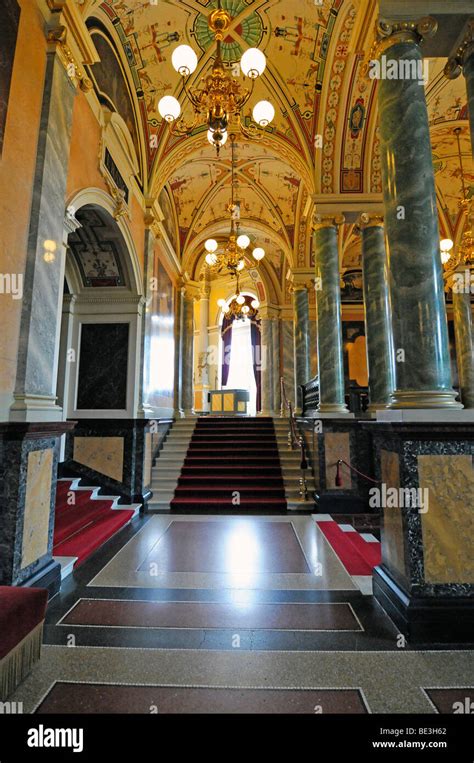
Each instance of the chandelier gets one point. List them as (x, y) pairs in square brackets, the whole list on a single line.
[(232, 258), (219, 100), (239, 307), (465, 254)]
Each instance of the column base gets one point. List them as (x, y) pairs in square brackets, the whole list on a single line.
[(428, 415), (425, 619), (424, 399), (376, 407), (35, 408), (333, 410)]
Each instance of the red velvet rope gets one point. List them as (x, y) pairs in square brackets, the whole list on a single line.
[(349, 466)]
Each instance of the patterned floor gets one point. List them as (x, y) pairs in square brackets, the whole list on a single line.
[(231, 614)]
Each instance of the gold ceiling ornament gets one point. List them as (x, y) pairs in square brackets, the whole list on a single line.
[(463, 258), (219, 100), (239, 308), (232, 258)]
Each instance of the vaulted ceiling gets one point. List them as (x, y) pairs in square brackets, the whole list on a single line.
[(314, 77)]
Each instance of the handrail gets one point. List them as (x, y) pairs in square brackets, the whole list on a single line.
[(295, 440)]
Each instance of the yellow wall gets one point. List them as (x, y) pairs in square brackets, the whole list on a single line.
[(17, 167), (84, 154)]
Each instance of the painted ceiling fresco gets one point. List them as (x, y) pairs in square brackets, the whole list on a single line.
[(316, 51)]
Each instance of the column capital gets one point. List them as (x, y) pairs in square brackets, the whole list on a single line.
[(390, 32), (152, 217), (370, 220), (326, 221), (455, 64)]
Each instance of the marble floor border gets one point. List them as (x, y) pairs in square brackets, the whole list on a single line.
[(360, 629), (392, 682), (209, 686), (123, 568)]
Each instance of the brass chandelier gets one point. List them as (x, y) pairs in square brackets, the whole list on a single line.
[(220, 99), (238, 308), (232, 258)]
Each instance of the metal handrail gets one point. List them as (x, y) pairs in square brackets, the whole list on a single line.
[(295, 440)]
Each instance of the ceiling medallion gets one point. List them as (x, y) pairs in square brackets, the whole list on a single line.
[(220, 98), (232, 258)]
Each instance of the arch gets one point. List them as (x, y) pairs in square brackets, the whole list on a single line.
[(95, 197)]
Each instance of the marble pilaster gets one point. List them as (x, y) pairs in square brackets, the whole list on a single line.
[(202, 382), (422, 367), (378, 325), (35, 387), (276, 366), (268, 362), (329, 318), (186, 352), (301, 341)]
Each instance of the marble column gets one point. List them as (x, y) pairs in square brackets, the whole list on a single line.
[(202, 385), (267, 361), (186, 352), (420, 330), (377, 308), (463, 60), (464, 335), (145, 410), (276, 366), (329, 319), (35, 388), (301, 341)]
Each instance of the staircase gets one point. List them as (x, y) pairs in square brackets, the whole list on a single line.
[(170, 461), (230, 464), (290, 466), (84, 521)]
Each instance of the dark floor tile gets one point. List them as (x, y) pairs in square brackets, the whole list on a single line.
[(106, 698)]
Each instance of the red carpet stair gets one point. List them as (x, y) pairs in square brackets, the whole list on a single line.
[(228, 456), (86, 522)]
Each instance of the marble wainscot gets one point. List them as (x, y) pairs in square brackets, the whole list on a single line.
[(28, 476), (327, 441), (116, 454), (426, 579)]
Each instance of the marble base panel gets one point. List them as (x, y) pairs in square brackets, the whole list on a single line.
[(116, 454), (328, 440), (29, 465), (426, 580)]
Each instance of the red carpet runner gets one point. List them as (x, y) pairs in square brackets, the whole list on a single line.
[(229, 456), (357, 555), (81, 528)]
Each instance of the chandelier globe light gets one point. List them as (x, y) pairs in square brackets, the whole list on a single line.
[(232, 258), (220, 98)]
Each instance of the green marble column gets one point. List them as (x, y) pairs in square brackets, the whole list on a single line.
[(463, 61), (464, 334), (329, 319), (301, 340), (420, 331), (378, 324)]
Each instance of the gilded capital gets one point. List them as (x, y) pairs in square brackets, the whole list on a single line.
[(327, 221), (455, 64), (390, 32), (370, 220)]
